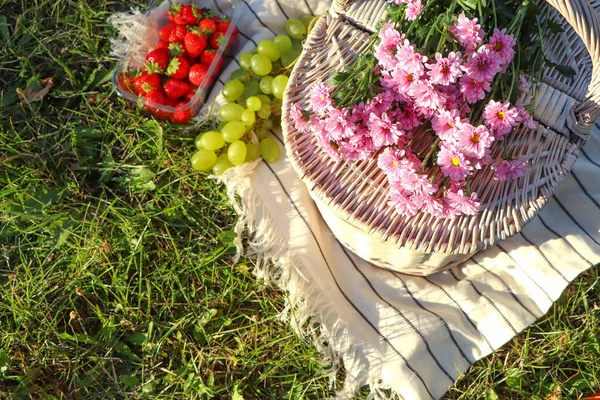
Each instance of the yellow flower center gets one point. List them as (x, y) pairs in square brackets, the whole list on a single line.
[(450, 124), (445, 68), (500, 114), (394, 163), (498, 46), (410, 77), (455, 161), (475, 139)]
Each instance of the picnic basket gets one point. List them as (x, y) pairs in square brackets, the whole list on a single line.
[(353, 196)]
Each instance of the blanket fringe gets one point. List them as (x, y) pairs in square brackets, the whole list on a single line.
[(306, 309)]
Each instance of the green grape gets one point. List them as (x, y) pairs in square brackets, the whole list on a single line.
[(289, 57), (265, 111), (252, 152), (221, 125), (284, 42), (269, 49), (253, 103), (237, 152), (231, 112), (198, 141), (232, 90), (233, 131), (222, 164), (203, 159), (266, 84), (295, 28), (261, 65), (248, 118), (297, 45), (306, 20), (245, 60), (269, 150), (261, 133), (267, 124), (212, 140), (264, 98), (240, 75), (279, 84), (252, 89)]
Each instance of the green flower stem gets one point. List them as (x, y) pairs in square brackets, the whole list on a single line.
[(430, 153)]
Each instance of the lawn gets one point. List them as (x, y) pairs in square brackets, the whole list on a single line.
[(116, 272)]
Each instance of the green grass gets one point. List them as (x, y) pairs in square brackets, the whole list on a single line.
[(116, 273)]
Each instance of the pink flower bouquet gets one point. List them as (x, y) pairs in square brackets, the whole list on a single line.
[(438, 88)]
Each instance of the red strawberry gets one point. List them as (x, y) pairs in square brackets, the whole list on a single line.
[(189, 94), (126, 81), (224, 25), (174, 88), (161, 45), (157, 60), (208, 56), (186, 16), (178, 34), (173, 11), (177, 49), (182, 114), (178, 68), (217, 40), (146, 82), (216, 18), (195, 42), (154, 96), (165, 32), (207, 26), (197, 74)]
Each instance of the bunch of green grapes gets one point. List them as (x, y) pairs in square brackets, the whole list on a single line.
[(253, 108)]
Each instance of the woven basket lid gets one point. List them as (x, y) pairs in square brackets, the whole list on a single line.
[(353, 195)]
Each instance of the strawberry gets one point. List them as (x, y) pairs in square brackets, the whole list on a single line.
[(187, 16), (157, 60), (178, 68), (223, 25), (174, 88), (178, 34), (195, 42), (161, 45), (197, 74), (182, 114), (125, 81), (216, 18), (177, 49), (207, 26), (165, 32), (217, 40), (208, 56), (146, 82), (154, 96), (173, 11), (189, 95)]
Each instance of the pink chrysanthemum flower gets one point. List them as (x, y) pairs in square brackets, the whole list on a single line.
[(510, 169), (468, 32), (445, 70), (386, 49), (417, 183), (445, 124), (400, 200), (379, 104), (413, 9), (500, 118), (409, 60), (428, 204), (298, 118), (523, 85), (483, 65), (503, 45), (473, 90), (427, 98), (526, 118), (324, 139), (320, 101), (473, 141), (453, 163), (407, 118), (399, 81), (358, 147), (390, 163), (338, 124), (457, 200), (383, 130)]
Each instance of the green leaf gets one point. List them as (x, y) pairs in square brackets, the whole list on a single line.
[(4, 29), (566, 70), (236, 395), (554, 27), (4, 362), (9, 97), (123, 349), (138, 338), (78, 338), (129, 381), (491, 395)]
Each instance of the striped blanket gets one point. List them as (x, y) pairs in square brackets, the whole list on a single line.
[(411, 335)]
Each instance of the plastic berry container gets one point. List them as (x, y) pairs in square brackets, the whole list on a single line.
[(146, 37)]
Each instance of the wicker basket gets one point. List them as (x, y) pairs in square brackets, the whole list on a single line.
[(352, 196)]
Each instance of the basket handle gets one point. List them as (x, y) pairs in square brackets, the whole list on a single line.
[(586, 22)]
